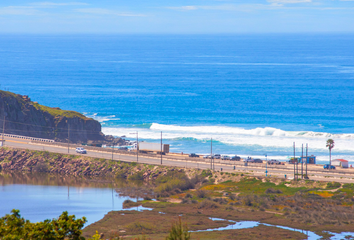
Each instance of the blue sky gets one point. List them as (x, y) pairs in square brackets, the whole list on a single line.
[(195, 16)]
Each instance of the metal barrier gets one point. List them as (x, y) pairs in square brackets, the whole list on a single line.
[(27, 138)]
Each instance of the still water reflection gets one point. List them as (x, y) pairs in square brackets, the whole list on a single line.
[(44, 196)]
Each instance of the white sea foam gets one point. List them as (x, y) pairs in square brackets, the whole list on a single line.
[(267, 137), (102, 119)]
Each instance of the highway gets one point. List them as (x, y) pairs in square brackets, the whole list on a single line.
[(314, 172)]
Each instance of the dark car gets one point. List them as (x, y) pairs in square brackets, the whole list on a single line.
[(193, 155), (257, 160), (235, 158), (327, 166)]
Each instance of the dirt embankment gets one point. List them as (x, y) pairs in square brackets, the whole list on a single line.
[(42, 161)]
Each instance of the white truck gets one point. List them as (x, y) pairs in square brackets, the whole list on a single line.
[(154, 147)]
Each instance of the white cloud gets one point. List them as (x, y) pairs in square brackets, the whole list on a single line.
[(18, 10), (282, 2), (184, 8), (104, 11), (52, 4)]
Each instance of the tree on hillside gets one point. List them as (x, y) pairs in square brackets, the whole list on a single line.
[(330, 145)]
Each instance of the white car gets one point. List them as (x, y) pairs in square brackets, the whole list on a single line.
[(206, 156), (81, 150)]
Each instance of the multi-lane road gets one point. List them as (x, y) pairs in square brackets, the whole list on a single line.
[(282, 171)]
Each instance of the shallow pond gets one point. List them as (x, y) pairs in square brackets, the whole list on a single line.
[(251, 224), (39, 198)]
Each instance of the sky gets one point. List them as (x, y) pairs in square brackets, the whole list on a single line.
[(176, 17)]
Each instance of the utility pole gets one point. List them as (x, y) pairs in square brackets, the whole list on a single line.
[(211, 154), (294, 162), (302, 161), (137, 147), (266, 172), (3, 130), (112, 150), (161, 148), (307, 148), (68, 135)]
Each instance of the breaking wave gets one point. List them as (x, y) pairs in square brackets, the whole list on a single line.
[(258, 138)]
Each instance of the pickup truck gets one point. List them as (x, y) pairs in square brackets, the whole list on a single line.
[(193, 155), (276, 162), (327, 166)]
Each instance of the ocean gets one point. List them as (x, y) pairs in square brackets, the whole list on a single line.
[(254, 94)]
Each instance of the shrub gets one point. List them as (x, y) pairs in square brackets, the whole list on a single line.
[(272, 190), (179, 231), (140, 227), (201, 193), (206, 173), (207, 204), (188, 195), (136, 176), (333, 185), (220, 200)]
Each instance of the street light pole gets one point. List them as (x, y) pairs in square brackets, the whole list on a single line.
[(294, 161), (68, 135), (3, 130), (161, 148), (112, 150), (302, 161), (211, 154), (266, 165), (137, 146), (307, 148)]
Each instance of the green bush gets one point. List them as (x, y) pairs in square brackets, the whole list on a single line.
[(333, 185), (179, 231), (140, 227), (137, 176)]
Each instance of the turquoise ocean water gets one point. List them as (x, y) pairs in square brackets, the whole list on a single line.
[(253, 94)]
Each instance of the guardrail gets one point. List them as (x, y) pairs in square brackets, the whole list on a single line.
[(27, 138)]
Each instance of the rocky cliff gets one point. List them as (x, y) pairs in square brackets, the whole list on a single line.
[(27, 118)]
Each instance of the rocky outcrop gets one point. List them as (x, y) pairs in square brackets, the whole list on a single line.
[(27, 118), (42, 161)]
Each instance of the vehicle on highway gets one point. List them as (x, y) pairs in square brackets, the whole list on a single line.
[(257, 160), (206, 156), (276, 162), (217, 156), (235, 158), (249, 160), (327, 166), (81, 150), (225, 157), (193, 155)]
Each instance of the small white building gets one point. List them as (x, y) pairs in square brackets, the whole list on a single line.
[(340, 163)]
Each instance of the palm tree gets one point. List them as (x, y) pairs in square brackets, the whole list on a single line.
[(330, 145)]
